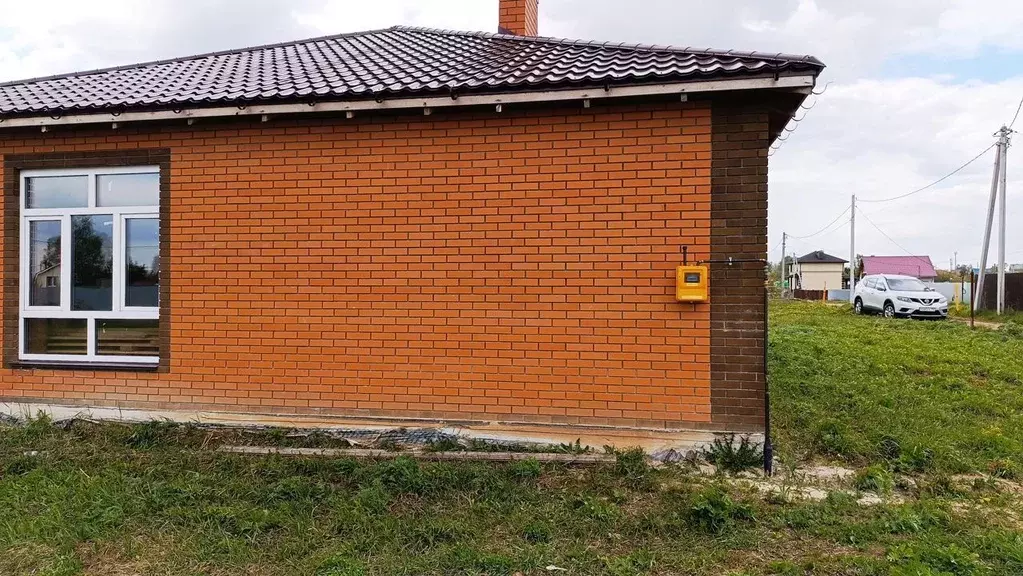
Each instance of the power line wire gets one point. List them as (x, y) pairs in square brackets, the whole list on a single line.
[(932, 184), (837, 218), (1016, 115), (892, 240)]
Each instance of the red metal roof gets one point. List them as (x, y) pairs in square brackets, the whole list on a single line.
[(918, 266)]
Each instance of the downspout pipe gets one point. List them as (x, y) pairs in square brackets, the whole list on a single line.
[(768, 446)]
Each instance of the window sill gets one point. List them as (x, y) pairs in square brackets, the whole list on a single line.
[(87, 366)]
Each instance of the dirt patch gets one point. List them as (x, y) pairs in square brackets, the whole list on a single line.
[(1007, 486), (979, 323), (835, 474)]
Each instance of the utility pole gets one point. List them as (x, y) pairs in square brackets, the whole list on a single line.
[(852, 252), (995, 180), (784, 275), (1001, 221)]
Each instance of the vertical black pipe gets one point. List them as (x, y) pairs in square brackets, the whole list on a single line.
[(768, 448)]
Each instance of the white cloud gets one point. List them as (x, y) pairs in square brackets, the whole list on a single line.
[(883, 138), (872, 134)]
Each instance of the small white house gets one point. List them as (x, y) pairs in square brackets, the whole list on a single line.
[(817, 271)]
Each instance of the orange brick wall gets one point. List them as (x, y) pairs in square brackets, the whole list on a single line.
[(515, 266), (520, 17)]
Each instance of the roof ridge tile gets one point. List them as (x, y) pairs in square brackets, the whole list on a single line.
[(781, 56)]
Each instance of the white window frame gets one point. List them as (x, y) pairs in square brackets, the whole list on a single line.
[(119, 311)]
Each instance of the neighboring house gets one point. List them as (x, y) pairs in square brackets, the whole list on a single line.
[(409, 225), (48, 277), (46, 286), (916, 266), (817, 271)]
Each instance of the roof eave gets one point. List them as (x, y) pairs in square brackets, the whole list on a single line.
[(796, 83)]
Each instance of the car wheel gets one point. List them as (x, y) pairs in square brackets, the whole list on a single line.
[(889, 310), (858, 306)]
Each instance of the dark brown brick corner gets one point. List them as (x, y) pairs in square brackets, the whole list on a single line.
[(738, 231)]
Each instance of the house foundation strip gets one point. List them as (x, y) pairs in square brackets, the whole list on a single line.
[(660, 444), (419, 455)]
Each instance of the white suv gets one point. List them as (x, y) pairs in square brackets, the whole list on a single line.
[(894, 295)]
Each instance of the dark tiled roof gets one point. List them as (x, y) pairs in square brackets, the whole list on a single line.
[(399, 61), (820, 257)]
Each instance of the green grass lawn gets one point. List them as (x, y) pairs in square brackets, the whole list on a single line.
[(911, 405), (1014, 316), (916, 396)]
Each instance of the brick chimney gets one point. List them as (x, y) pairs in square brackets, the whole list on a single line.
[(519, 17)]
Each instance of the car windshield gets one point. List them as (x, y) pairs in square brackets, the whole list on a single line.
[(906, 285)]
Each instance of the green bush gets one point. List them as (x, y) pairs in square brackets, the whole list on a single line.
[(152, 434), (529, 469), (874, 479), (632, 465), (341, 565), (924, 558), (596, 508), (537, 533), (19, 465), (401, 476), (831, 437), (430, 534), (1005, 468), (733, 458), (635, 564), (714, 510)]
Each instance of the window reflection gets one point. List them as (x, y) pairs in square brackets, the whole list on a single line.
[(142, 255), (92, 262), (127, 338), (57, 192), (128, 190), (55, 336), (44, 263)]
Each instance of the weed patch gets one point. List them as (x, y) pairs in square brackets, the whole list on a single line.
[(715, 511), (729, 456), (874, 479)]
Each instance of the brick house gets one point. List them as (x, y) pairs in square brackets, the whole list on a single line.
[(397, 225)]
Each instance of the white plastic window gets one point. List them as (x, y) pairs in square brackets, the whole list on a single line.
[(90, 265)]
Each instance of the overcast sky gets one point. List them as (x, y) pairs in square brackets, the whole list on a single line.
[(917, 86)]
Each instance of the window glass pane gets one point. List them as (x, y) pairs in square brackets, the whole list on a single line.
[(92, 262), (128, 190), (127, 338), (55, 336), (57, 192), (142, 256), (44, 263)]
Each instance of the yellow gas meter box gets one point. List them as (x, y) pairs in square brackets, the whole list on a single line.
[(691, 284)]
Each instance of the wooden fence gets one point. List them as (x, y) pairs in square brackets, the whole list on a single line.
[(1013, 292), (810, 294)]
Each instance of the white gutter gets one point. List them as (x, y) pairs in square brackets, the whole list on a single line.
[(791, 83)]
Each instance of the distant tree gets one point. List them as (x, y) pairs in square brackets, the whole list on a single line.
[(51, 257), (142, 275), (93, 265)]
